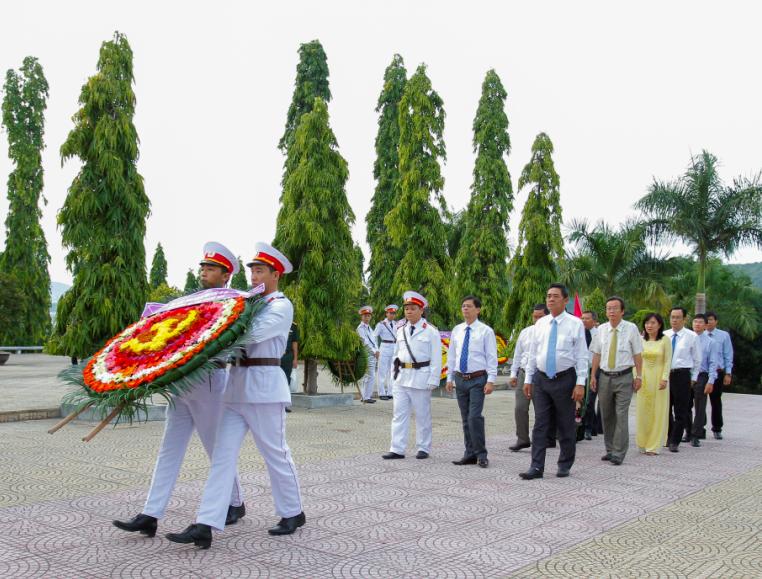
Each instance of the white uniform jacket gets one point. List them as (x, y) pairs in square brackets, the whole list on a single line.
[(266, 339), (426, 347), (368, 337), (386, 332)]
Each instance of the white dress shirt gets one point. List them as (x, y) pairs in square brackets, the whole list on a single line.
[(593, 333), (521, 353), (628, 345), (571, 347), (687, 351), (482, 350), (368, 337), (426, 347)]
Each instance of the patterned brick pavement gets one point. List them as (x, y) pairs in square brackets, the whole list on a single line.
[(695, 513)]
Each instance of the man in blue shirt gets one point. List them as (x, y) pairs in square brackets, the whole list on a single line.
[(707, 377), (724, 370)]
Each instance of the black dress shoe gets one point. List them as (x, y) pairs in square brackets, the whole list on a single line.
[(464, 461), (717, 435), (695, 442), (588, 435), (392, 455), (483, 462), (422, 454), (198, 534), (532, 473), (673, 448), (287, 409), (615, 460), (286, 526), (518, 446), (563, 472), (607, 456), (235, 513), (146, 524), (369, 401)]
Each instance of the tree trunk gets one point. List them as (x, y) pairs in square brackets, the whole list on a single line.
[(310, 376), (700, 303)]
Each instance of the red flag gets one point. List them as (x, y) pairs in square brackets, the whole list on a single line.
[(577, 306)]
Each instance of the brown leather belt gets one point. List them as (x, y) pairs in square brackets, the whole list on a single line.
[(247, 362), (472, 375)]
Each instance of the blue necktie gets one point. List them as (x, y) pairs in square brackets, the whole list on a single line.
[(550, 361), (674, 343), (464, 352)]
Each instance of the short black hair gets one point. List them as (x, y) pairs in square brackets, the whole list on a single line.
[(658, 318), (711, 314), (477, 301), (543, 307), (700, 317), (562, 287), (593, 314), (616, 299), (682, 309)]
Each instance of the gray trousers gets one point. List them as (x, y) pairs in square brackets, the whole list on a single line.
[(699, 406), (471, 403), (614, 397)]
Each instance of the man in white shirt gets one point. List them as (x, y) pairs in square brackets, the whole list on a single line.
[(369, 342), (686, 360), (386, 333), (417, 367), (472, 370), (724, 370), (616, 348), (518, 371), (255, 400), (555, 379)]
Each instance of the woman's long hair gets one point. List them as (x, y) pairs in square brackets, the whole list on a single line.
[(660, 320)]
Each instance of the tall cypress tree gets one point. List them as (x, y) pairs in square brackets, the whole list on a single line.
[(314, 231), (239, 280), (414, 223), (481, 263), (384, 257), (103, 220), (541, 247), (158, 273), (191, 283), (26, 251)]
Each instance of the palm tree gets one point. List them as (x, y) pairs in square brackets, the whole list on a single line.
[(617, 261), (700, 210)]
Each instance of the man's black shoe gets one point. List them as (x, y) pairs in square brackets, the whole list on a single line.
[(286, 526), (422, 454), (615, 460), (695, 442), (464, 461), (532, 473), (145, 524), (235, 513), (588, 435), (369, 401), (673, 448), (392, 455), (483, 462), (717, 434), (518, 446), (288, 409), (198, 534), (607, 456), (563, 472)]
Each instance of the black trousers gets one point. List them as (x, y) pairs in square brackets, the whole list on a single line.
[(593, 422), (679, 404), (553, 399), (716, 399), (471, 403), (699, 405)]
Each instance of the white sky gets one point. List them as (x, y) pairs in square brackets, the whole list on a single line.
[(625, 91)]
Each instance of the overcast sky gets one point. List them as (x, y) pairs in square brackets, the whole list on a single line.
[(626, 91)]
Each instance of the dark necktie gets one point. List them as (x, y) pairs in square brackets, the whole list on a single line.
[(411, 330), (464, 352)]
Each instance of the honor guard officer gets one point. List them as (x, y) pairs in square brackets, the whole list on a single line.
[(369, 343), (198, 408), (386, 331), (417, 368), (255, 400)]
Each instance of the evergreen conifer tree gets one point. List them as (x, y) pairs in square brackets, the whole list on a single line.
[(481, 263), (191, 283), (414, 223), (26, 252), (540, 249), (239, 280), (103, 220), (384, 257), (314, 232), (158, 273)]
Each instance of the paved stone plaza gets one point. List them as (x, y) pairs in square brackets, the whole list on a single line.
[(697, 513)]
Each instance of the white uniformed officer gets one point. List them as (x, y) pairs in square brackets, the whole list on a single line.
[(386, 332), (369, 343), (255, 400), (417, 369), (199, 408)]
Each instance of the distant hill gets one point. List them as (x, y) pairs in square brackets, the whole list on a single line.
[(57, 289), (753, 270)]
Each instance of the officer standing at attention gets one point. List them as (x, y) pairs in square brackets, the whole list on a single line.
[(255, 400), (417, 367), (386, 332), (369, 342), (198, 408)]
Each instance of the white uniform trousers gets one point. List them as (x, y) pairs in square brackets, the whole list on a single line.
[(182, 417), (369, 380), (385, 371), (267, 423), (407, 400)]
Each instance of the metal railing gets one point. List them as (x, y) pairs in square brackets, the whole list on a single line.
[(20, 349)]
